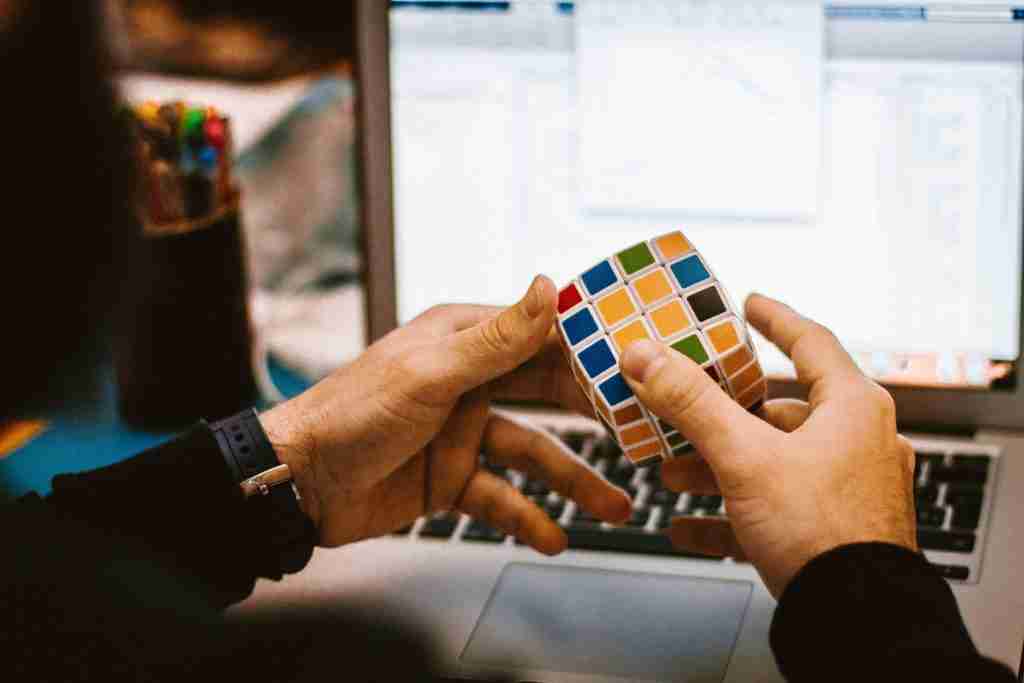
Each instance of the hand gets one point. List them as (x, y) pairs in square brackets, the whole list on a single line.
[(807, 478), (398, 433)]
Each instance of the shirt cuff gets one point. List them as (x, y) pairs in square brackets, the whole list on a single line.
[(864, 608), (180, 501)]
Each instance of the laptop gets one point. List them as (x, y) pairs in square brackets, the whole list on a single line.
[(503, 139)]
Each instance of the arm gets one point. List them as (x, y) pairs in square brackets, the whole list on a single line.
[(880, 610), (124, 566), (820, 500), (179, 502)]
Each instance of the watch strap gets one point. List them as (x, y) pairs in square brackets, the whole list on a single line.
[(248, 453)]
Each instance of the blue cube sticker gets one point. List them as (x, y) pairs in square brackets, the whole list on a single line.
[(615, 390), (690, 271), (579, 326), (597, 358), (599, 278)]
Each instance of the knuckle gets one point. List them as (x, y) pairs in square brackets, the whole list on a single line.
[(496, 336), (437, 311), (406, 367), (415, 375), (883, 401), (824, 333)]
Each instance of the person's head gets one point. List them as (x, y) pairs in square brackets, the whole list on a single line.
[(65, 192)]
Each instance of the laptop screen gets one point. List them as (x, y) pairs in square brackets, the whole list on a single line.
[(862, 163)]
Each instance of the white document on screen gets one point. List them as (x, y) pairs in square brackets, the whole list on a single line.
[(707, 109)]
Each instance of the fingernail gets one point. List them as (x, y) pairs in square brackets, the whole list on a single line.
[(642, 359), (534, 302)]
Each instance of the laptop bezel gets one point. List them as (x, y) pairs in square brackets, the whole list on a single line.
[(956, 410)]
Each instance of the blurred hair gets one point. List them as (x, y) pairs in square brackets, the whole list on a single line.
[(322, 26), (65, 204)]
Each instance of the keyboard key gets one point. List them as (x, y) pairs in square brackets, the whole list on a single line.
[(952, 541), (535, 488), (581, 516), (927, 495), (964, 494), (620, 474), (478, 531), (954, 572), (639, 518), (653, 477), (576, 441), (607, 448), (555, 509), (956, 474), (440, 527), (665, 520), (931, 516), (972, 462), (663, 497), (967, 516), (709, 504)]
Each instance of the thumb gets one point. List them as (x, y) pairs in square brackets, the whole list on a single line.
[(498, 345), (677, 390)]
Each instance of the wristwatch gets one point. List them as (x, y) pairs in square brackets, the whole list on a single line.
[(268, 488)]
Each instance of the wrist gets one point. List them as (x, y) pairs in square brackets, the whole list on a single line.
[(294, 447)]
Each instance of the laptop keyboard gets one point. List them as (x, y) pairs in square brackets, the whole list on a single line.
[(951, 487)]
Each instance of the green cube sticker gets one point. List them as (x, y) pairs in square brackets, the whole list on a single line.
[(636, 258), (691, 346), (666, 427)]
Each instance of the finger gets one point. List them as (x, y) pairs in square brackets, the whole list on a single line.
[(814, 350), (689, 473), (705, 536), (455, 452), (445, 319), (786, 414), (541, 456), (498, 345), (680, 392), (547, 378), (492, 500)]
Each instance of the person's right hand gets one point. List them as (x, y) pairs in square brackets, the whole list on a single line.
[(807, 478)]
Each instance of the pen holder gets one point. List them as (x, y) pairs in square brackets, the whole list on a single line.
[(183, 345)]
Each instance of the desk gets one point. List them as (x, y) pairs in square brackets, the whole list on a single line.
[(88, 433)]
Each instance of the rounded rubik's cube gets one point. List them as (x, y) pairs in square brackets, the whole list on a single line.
[(661, 290)]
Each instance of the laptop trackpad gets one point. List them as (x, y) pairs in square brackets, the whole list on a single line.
[(651, 626)]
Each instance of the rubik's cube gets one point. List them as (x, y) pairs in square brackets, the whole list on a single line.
[(662, 290)]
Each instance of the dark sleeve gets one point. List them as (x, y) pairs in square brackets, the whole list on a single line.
[(875, 611), (179, 502), (118, 576)]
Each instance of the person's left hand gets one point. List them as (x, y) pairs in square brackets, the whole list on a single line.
[(397, 434)]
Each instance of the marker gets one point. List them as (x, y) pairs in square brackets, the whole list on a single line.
[(148, 111), (215, 133), (207, 158), (192, 124)]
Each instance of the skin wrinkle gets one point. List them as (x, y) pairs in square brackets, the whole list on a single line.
[(811, 477), (393, 428)]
